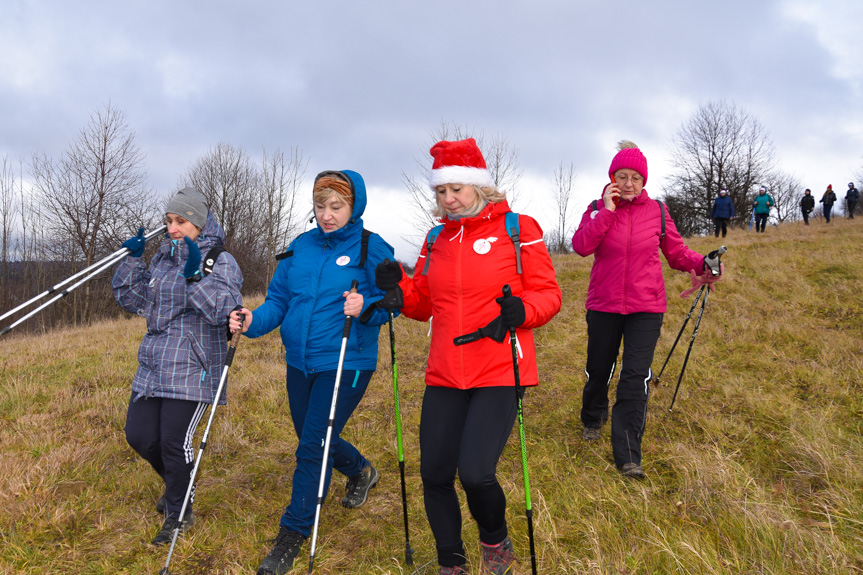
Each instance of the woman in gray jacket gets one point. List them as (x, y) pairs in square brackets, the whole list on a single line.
[(181, 356)]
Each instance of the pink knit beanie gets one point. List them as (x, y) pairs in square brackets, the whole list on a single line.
[(630, 157)]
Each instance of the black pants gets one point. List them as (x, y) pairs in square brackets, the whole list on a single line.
[(160, 430), (464, 432), (851, 204), (639, 332), (761, 220), (806, 216), (720, 223)]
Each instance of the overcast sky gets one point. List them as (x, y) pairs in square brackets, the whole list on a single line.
[(362, 85)]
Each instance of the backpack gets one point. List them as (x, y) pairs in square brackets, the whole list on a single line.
[(364, 249), (512, 230), (661, 215)]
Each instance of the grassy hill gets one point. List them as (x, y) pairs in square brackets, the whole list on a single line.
[(758, 470)]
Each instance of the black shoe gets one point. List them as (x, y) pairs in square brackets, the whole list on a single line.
[(160, 505), (632, 470), (166, 533), (281, 558), (358, 486)]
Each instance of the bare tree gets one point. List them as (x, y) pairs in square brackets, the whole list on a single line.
[(564, 181), (95, 195), (720, 146), (281, 178), (786, 191), (8, 212), (501, 157)]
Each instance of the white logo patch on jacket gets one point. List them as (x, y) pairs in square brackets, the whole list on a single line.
[(343, 260), (483, 245)]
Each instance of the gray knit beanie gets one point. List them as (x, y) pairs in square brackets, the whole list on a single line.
[(190, 204)]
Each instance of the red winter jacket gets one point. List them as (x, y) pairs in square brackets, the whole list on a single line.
[(470, 262), (627, 273)]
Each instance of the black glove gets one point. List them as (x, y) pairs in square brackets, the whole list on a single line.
[(511, 311), (193, 261), (388, 275), (136, 244)]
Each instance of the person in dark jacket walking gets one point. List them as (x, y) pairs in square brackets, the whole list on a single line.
[(308, 300), (181, 357), (761, 205), (626, 300), (723, 210), (807, 204), (469, 402), (852, 196), (828, 199)]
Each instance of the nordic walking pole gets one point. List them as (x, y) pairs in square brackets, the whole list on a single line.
[(401, 454), (528, 510), (689, 350), (235, 340), (685, 321), (121, 251), (346, 332)]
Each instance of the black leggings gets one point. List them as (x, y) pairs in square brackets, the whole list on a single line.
[(760, 220), (161, 431), (720, 224), (464, 431)]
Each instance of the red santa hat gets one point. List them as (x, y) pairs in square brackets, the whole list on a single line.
[(459, 162)]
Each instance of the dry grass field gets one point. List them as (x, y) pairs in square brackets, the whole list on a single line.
[(758, 470)]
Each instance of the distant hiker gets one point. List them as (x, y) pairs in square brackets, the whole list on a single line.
[(761, 205), (807, 204), (723, 210), (469, 405), (308, 300), (626, 300), (181, 358), (828, 199), (852, 196)]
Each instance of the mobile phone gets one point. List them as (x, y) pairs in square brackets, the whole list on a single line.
[(615, 199)]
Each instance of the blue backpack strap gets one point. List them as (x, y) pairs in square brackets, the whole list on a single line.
[(430, 238), (512, 228)]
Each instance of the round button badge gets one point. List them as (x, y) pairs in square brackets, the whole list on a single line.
[(482, 246), (343, 260)]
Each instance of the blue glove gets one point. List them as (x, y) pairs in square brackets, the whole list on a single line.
[(136, 244), (193, 261)]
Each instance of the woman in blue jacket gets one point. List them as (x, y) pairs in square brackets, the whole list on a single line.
[(723, 210), (309, 298), (181, 357)]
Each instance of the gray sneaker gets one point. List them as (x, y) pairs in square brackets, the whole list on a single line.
[(632, 470), (590, 433), (358, 486), (281, 558)]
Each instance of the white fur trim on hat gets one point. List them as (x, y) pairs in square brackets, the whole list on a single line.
[(460, 175)]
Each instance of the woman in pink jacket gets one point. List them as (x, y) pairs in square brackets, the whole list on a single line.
[(626, 300)]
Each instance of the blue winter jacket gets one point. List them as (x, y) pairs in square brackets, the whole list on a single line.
[(184, 351), (305, 295), (723, 207)]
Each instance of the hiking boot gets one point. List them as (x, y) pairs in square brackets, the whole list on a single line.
[(357, 487), (457, 570), (166, 533), (590, 433), (281, 558), (497, 559), (632, 470)]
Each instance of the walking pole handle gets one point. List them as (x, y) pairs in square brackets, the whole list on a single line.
[(346, 332)]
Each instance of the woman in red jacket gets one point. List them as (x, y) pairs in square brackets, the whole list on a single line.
[(626, 300), (469, 405)]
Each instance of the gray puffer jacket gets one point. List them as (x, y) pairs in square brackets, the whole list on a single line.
[(184, 351)]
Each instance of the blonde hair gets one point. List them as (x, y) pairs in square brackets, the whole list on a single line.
[(484, 195)]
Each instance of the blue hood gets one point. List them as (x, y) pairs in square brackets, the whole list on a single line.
[(358, 187)]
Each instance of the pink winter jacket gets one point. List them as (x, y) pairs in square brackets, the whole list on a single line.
[(627, 273)]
